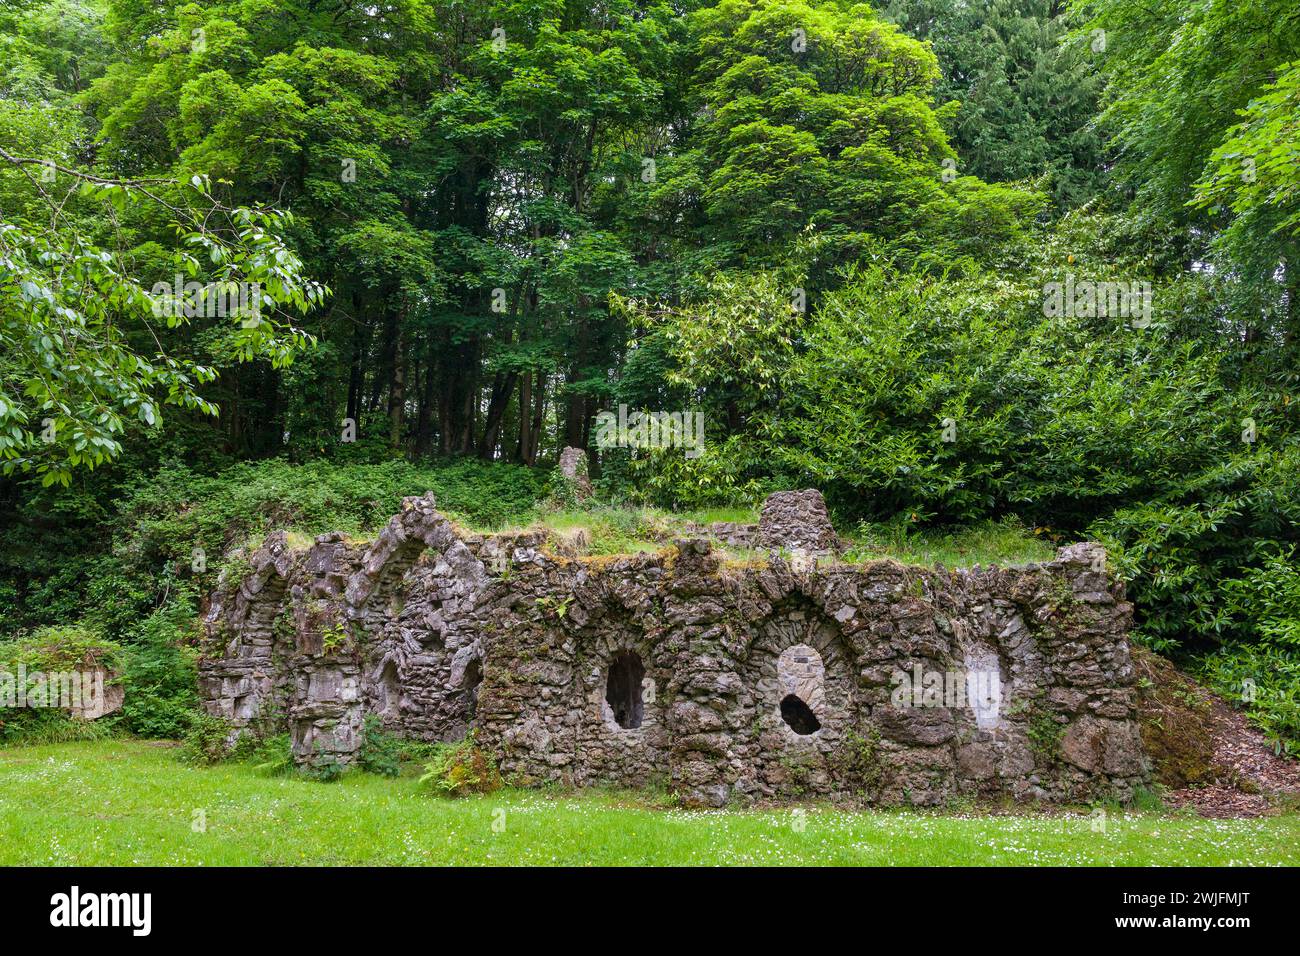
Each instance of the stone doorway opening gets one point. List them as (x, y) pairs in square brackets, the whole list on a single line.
[(623, 689)]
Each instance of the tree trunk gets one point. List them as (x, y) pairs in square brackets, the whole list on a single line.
[(503, 388), (357, 374), (397, 391), (469, 411), (575, 417), (424, 421), (539, 417), (525, 418)]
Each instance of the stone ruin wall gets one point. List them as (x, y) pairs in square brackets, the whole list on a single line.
[(725, 682)]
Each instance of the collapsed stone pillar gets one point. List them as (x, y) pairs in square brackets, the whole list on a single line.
[(797, 520), (574, 473)]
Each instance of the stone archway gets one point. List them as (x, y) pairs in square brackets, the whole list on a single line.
[(803, 702), (470, 685), (621, 723), (389, 686)]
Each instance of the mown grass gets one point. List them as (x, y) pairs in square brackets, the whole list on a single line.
[(127, 802)]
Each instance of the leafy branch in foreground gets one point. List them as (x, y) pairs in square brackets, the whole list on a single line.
[(80, 351)]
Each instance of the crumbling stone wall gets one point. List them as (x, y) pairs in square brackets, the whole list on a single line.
[(877, 682)]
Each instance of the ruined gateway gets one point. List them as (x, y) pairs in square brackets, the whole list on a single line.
[(723, 681)]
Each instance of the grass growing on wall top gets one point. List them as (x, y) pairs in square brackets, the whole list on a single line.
[(603, 530), (1002, 543)]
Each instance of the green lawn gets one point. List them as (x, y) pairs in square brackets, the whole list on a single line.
[(130, 802)]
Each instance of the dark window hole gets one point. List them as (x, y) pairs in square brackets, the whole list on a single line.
[(799, 716), (623, 690), (473, 677)]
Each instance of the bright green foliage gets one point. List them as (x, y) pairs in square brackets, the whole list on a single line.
[(1028, 97), (822, 115), (1264, 676), (324, 768), (459, 769), (46, 651), (60, 648), (1255, 171), (207, 741), (71, 378), (90, 345), (855, 397), (1199, 93), (1264, 680), (381, 752), (160, 675), (271, 755), (1179, 74), (430, 162)]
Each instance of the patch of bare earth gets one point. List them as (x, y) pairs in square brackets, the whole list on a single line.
[(1205, 753)]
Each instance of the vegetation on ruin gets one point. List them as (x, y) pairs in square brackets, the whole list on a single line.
[(46, 650), (459, 769), (1171, 713)]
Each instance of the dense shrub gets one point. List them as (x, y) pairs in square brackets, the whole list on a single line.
[(1264, 681), (1175, 444), (1259, 670), (166, 517), (60, 648), (207, 741), (135, 574), (171, 522), (461, 768), (160, 675), (272, 755), (323, 768), (381, 752), (48, 650)]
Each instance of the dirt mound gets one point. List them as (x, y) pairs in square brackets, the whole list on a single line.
[(1205, 753)]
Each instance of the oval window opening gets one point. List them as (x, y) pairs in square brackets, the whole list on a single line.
[(799, 716), (623, 690)]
